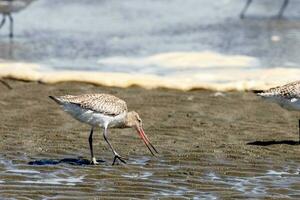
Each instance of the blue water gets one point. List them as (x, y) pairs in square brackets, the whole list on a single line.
[(81, 34), (76, 34)]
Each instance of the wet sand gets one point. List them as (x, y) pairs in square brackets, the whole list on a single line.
[(211, 146)]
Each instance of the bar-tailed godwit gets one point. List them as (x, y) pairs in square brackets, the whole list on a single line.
[(287, 96), (105, 111), (10, 6)]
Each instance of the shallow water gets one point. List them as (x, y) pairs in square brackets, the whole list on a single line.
[(204, 44), (145, 177)]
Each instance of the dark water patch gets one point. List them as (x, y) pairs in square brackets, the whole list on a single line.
[(71, 161), (273, 142)]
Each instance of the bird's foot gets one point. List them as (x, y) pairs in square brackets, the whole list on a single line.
[(118, 157), (94, 161)]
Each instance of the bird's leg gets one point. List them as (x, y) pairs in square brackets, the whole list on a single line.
[(242, 15), (6, 84), (93, 159), (299, 130), (117, 156), (3, 20), (11, 26), (284, 5)]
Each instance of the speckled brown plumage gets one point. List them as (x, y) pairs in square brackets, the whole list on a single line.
[(102, 103), (288, 91), (287, 96)]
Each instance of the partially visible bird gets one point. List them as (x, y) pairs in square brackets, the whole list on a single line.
[(287, 96), (7, 7), (105, 111), (279, 15)]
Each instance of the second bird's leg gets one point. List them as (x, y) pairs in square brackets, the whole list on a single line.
[(299, 130), (3, 20), (93, 159), (242, 15), (284, 5), (6, 84), (117, 156), (11, 26)]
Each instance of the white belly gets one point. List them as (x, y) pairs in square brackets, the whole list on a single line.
[(289, 104), (93, 118)]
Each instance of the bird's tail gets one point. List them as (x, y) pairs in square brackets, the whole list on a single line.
[(55, 99), (258, 91), (265, 93)]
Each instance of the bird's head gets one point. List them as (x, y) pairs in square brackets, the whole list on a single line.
[(133, 120)]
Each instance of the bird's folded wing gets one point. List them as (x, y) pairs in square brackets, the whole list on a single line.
[(101, 103), (288, 91)]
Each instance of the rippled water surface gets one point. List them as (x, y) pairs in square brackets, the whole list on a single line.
[(145, 177)]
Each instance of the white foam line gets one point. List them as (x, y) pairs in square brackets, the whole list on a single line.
[(226, 80), (257, 185), (23, 171), (276, 173), (184, 60), (143, 175), (56, 181)]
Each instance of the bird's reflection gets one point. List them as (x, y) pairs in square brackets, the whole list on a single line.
[(71, 161)]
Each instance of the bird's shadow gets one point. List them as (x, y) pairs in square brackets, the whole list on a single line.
[(71, 161), (273, 142)]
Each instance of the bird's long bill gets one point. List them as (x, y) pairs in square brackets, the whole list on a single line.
[(146, 140)]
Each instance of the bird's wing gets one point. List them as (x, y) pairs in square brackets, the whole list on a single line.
[(101, 103), (289, 91)]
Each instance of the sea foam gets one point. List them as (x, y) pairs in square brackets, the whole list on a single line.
[(174, 70)]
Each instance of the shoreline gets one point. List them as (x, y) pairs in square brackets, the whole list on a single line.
[(223, 81)]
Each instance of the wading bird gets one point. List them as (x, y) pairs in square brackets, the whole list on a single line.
[(105, 111), (7, 7), (287, 96)]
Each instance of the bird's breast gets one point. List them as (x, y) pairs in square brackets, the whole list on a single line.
[(94, 118), (289, 104)]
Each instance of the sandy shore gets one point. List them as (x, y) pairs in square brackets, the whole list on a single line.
[(204, 129)]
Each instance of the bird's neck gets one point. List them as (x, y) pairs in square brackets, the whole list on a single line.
[(120, 121), (126, 121)]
